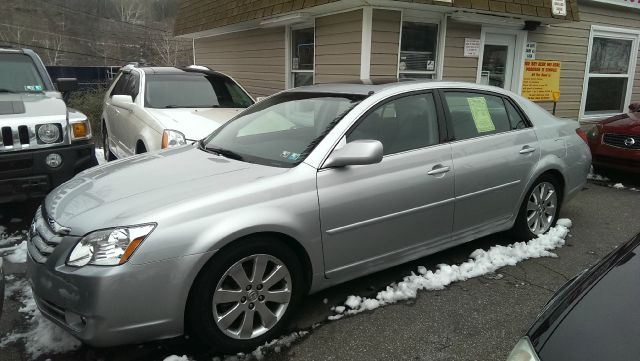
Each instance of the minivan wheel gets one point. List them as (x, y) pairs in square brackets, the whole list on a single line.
[(108, 155), (539, 210), (245, 295)]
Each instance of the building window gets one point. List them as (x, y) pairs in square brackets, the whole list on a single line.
[(418, 47), (610, 70), (302, 56)]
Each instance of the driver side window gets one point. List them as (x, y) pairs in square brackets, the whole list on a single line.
[(401, 125)]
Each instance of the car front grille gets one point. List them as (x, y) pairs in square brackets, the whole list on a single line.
[(622, 141), (23, 137), (42, 239)]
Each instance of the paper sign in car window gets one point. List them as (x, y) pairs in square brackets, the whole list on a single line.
[(481, 115)]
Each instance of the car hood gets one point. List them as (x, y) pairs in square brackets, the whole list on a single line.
[(30, 105), (194, 123), (596, 315), (628, 123), (131, 190)]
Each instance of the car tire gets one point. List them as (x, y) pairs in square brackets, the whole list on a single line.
[(232, 313), (108, 155), (536, 216)]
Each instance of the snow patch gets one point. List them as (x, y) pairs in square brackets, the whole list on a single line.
[(15, 220), (177, 358), (100, 155), (15, 254), (618, 186), (43, 336), (480, 263)]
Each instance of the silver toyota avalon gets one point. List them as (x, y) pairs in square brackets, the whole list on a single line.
[(309, 188)]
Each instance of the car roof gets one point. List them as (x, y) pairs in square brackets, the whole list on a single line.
[(368, 88)]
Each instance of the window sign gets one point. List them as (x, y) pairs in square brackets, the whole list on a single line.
[(471, 47), (530, 51)]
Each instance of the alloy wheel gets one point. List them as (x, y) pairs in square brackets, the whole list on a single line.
[(542, 207), (252, 296)]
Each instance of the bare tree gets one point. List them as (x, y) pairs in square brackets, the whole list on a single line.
[(131, 11), (52, 49), (170, 51), (12, 34)]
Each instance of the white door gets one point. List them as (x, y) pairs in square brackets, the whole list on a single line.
[(498, 59)]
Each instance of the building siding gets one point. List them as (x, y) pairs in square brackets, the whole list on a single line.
[(338, 45), (385, 39), (254, 58), (457, 67), (569, 43)]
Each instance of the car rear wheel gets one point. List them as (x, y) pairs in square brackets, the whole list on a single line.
[(539, 210), (245, 295), (108, 155)]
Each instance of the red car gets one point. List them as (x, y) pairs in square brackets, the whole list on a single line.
[(615, 142)]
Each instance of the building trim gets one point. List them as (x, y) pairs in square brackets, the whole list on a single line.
[(365, 47)]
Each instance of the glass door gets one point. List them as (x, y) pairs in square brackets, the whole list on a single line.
[(497, 60)]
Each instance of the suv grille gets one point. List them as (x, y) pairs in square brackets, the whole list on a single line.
[(622, 141), (42, 239), (22, 137)]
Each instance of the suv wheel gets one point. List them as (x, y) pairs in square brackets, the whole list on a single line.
[(245, 295)]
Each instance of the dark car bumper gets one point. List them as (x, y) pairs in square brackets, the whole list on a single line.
[(614, 158), (25, 174)]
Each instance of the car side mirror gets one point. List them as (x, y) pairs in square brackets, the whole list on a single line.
[(122, 101), (634, 107), (358, 152), (66, 86)]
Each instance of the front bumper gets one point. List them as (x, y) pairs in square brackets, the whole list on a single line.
[(614, 158), (25, 174), (109, 306)]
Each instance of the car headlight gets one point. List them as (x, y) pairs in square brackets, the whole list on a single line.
[(594, 132), (109, 247), (80, 130), (48, 133), (523, 351), (172, 138)]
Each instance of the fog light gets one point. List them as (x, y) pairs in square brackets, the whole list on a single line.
[(54, 160)]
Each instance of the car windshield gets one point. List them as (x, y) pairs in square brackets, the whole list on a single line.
[(282, 130), (194, 90), (19, 74)]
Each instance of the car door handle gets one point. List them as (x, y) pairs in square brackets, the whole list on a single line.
[(527, 149), (438, 169)]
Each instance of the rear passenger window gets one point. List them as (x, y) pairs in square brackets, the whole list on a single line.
[(475, 114), (402, 124), (517, 121)]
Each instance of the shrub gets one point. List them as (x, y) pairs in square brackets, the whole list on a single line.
[(89, 102)]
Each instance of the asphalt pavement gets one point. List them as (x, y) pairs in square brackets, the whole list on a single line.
[(479, 319)]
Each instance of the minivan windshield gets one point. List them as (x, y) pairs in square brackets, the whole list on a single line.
[(194, 90), (18, 74), (282, 130)]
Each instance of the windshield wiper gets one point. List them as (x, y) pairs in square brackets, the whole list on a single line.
[(190, 106), (7, 91), (224, 152)]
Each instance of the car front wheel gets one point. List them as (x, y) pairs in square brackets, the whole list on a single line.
[(539, 210), (245, 295)]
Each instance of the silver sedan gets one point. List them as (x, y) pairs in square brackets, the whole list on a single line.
[(306, 189)]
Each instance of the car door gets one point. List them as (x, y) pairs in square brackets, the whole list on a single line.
[(117, 117), (374, 216), (130, 123), (495, 151)]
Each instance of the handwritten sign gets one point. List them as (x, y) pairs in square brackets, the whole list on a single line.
[(530, 50), (559, 7), (481, 115), (541, 79), (471, 47)]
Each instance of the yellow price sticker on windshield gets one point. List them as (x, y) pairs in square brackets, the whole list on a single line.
[(481, 115)]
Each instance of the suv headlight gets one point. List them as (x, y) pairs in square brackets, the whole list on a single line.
[(172, 138), (80, 130), (49, 133), (523, 351), (109, 247)]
